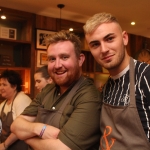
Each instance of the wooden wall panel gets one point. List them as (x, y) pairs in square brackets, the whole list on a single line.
[(136, 43), (46, 23)]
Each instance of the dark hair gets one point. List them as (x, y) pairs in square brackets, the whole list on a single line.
[(65, 35), (44, 71), (13, 78)]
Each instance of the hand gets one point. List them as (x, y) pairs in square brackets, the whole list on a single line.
[(2, 146)]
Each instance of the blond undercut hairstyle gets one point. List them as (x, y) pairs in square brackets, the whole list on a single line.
[(65, 35), (96, 20)]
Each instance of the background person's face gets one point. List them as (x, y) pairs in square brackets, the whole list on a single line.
[(40, 82), (6, 90), (63, 65)]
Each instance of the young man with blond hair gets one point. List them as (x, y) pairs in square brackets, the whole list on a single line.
[(125, 115)]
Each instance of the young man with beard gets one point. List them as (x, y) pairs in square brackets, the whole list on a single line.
[(68, 111), (125, 115)]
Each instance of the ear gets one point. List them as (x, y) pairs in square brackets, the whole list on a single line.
[(14, 87), (50, 80), (81, 59), (125, 37)]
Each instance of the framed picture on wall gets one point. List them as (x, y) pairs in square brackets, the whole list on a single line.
[(8, 33), (40, 38), (41, 58)]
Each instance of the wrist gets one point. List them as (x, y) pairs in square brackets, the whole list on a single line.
[(42, 131), (37, 128), (5, 146)]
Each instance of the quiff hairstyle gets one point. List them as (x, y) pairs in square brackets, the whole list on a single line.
[(65, 35), (96, 20)]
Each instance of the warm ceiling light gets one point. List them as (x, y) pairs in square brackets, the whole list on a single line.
[(3, 17), (133, 23), (71, 29)]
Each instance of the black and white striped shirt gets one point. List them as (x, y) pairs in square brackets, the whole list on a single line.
[(117, 92)]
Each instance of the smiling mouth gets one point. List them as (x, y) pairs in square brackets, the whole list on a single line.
[(107, 57), (60, 72)]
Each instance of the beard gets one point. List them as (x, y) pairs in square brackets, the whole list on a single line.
[(68, 77), (115, 62)]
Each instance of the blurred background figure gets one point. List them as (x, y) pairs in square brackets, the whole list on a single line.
[(42, 77), (16, 101)]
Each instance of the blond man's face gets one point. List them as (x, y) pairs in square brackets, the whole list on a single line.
[(107, 45)]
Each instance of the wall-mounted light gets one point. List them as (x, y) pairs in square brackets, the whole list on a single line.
[(71, 29), (2, 15)]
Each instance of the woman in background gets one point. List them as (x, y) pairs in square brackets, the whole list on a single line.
[(16, 101), (42, 77)]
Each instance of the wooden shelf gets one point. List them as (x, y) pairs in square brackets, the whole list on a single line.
[(14, 68), (13, 42), (19, 49)]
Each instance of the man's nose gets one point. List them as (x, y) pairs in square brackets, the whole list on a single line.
[(104, 47), (58, 63)]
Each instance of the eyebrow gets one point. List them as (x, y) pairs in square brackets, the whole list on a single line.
[(105, 37), (38, 80), (93, 42), (60, 55)]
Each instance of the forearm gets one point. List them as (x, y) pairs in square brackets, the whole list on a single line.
[(24, 128), (9, 141), (46, 144)]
